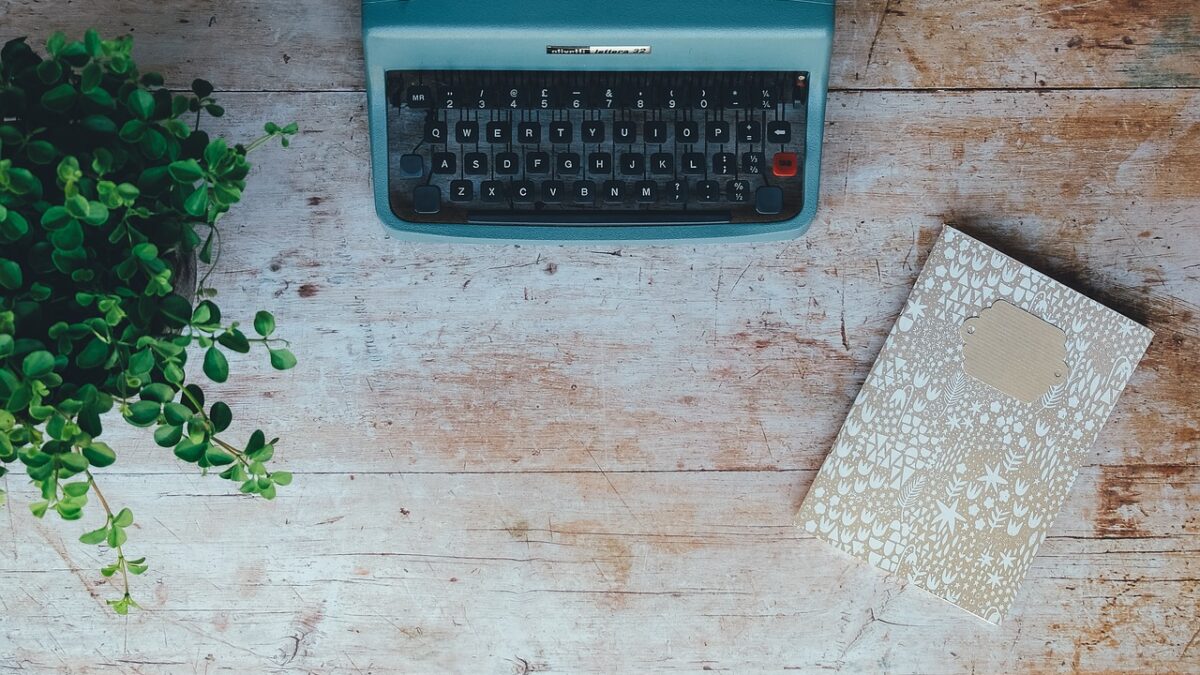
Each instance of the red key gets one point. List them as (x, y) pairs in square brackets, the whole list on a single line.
[(786, 164)]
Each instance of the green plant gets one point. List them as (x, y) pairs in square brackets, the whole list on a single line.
[(108, 188)]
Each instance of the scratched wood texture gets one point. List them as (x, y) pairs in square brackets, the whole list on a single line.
[(527, 459)]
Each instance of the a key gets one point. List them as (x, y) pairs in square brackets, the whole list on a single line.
[(687, 132), (561, 132), (576, 99), (411, 166), (779, 132), (718, 132), (600, 163), (606, 98), (475, 164), (724, 163), (625, 132), (537, 162), (738, 191), (507, 163), (499, 133), (466, 132), (768, 201), (703, 98), (462, 191), (785, 164), (614, 191), (481, 98), (427, 199), (546, 98), (671, 98), (662, 164), (656, 132), (767, 97), (593, 131), (435, 132), (753, 162), (633, 164), (493, 191), (420, 97), (735, 96), (553, 191), (445, 162), (646, 191), (708, 190), (523, 191), (529, 133), (749, 132), (640, 98), (677, 192), (584, 192), (568, 163), (693, 163), (448, 96), (515, 98)]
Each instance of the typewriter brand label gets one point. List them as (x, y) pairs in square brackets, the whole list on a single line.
[(553, 49)]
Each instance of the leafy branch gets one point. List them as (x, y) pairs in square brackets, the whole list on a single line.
[(113, 533), (108, 188)]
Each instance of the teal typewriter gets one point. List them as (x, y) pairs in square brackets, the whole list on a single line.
[(591, 120)]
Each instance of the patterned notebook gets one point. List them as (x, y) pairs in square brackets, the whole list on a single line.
[(968, 432)]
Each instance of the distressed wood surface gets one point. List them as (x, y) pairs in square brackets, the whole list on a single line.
[(529, 459), (315, 44)]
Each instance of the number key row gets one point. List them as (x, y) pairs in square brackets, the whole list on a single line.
[(742, 91)]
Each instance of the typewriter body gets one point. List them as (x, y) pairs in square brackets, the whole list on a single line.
[(581, 120)]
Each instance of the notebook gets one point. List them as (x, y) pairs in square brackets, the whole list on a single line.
[(965, 439)]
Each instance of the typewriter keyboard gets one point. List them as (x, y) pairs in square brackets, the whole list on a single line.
[(596, 148)]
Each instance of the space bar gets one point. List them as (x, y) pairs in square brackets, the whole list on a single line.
[(597, 218)]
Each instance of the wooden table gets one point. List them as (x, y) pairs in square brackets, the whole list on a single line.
[(519, 459)]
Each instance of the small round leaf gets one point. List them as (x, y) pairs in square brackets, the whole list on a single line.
[(10, 274), (38, 364), (141, 104), (264, 323), (99, 455), (216, 367), (282, 359), (202, 88), (221, 416), (59, 99), (144, 413)]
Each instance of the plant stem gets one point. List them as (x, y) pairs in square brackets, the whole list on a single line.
[(232, 450), (253, 145), (109, 513)]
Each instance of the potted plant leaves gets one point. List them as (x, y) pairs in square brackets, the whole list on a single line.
[(109, 192)]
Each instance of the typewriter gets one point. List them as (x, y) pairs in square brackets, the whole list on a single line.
[(582, 120)]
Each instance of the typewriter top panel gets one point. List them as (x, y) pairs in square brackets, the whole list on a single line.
[(692, 35), (589, 14)]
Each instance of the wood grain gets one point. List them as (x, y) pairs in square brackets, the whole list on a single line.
[(520, 358), (520, 573), (304, 45), (519, 459)]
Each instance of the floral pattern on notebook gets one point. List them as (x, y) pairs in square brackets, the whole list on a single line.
[(941, 478)]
